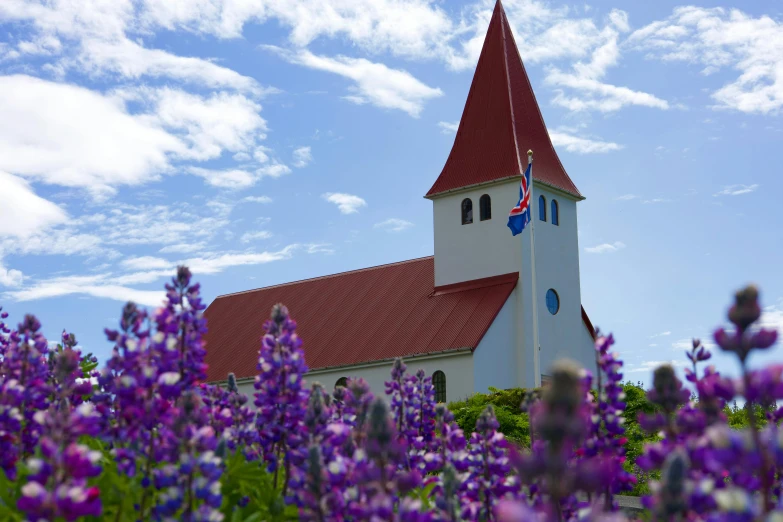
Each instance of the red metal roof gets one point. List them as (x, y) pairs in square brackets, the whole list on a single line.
[(500, 122), (361, 316)]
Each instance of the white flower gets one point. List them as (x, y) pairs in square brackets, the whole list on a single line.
[(169, 378), (33, 489)]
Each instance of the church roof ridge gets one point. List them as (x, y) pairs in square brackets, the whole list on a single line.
[(328, 276), (501, 118)]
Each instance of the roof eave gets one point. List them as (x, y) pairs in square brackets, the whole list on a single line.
[(498, 181), (380, 362)]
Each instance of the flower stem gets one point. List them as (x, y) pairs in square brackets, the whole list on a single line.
[(754, 430)]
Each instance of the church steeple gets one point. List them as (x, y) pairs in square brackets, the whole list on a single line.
[(500, 122)]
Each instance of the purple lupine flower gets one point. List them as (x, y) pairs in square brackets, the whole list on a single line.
[(743, 314), (399, 391), (421, 436), (24, 390), (58, 486), (606, 441), (281, 396), (377, 467), (487, 480), (182, 317), (193, 489)]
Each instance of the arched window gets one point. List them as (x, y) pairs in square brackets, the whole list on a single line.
[(467, 211), (439, 382), (342, 381), (542, 208), (485, 207), (555, 213)]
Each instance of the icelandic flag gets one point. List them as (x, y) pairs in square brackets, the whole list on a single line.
[(519, 216)]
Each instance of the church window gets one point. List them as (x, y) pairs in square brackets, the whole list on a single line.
[(467, 211), (552, 301), (342, 381), (439, 382), (485, 207), (555, 213), (542, 208)]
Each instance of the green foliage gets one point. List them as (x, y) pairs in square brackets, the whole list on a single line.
[(242, 478), (513, 423), (10, 491)]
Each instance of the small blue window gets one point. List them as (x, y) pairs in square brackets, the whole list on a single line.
[(552, 301), (555, 213), (542, 208)]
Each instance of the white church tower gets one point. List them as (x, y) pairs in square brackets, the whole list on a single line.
[(471, 199)]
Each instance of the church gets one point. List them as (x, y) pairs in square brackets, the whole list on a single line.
[(473, 315)]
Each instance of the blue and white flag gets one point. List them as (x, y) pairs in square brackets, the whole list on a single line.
[(519, 216)]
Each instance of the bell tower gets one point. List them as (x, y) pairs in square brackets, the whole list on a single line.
[(478, 186)]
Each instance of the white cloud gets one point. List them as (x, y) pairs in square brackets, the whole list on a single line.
[(10, 276), (717, 38), (302, 157), (71, 136), (273, 170), (247, 237), (585, 77), (604, 248), (319, 248), (599, 96), (650, 366), (146, 263), (626, 197), (207, 124), (217, 263), (447, 127), (182, 248), (736, 190), (772, 318), (394, 225), (656, 200), (228, 179), (582, 145), (125, 224), (662, 334), (132, 61), (257, 199), (687, 344), (112, 286), (374, 83), (22, 212), (347, 203), (86, 285), (410, 28)]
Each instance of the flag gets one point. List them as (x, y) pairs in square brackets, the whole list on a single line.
[(519, 216)]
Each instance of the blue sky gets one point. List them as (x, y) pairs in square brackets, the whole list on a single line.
[(266, 141)]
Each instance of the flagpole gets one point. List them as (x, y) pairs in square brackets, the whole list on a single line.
[(536, 345)]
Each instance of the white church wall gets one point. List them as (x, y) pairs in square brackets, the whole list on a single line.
[(457, 367), (557, 267), (494, 360), (482, 248)]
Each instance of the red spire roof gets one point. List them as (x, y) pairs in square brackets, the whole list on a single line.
[(500, 122)]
